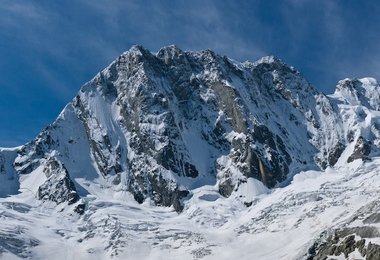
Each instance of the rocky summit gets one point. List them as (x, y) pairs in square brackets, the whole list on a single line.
[(192, 154)]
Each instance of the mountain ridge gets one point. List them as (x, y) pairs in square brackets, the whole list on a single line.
[(169, 94)]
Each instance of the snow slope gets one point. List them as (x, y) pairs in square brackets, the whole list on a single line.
[(280, 224)]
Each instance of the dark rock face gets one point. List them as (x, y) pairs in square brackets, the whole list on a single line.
[(335, 153), (58, 187), (361, 151), (161, 101), (226, 188), (80, 208), (162, 191), (372, 252), (344, 242)]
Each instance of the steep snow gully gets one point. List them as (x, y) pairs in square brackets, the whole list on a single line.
[(191, 155)]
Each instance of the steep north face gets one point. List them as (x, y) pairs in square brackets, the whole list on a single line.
[(161, 125)]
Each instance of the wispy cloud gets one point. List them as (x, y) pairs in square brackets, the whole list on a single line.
[(53, 43), (327, 39), (49, 48), (184, 23), (21, 10), (216, 32)]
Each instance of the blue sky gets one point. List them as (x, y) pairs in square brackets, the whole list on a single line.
[(48, 49)]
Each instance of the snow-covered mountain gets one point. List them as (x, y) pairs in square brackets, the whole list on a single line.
[(195, 155)]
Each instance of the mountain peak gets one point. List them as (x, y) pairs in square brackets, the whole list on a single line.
[(359, 91), (269, 60), (172, 50), (357, 83), (171, 54), (369, 81), (138, 49), (135, 52), (270, 63)]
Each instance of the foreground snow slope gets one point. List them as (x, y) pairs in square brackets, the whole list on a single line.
[(193, 154), (282, 224)]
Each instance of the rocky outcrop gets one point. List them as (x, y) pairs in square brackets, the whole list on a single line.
[(362, 150), (58, 187), (345, 241), (162, 191), (335, 153)]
